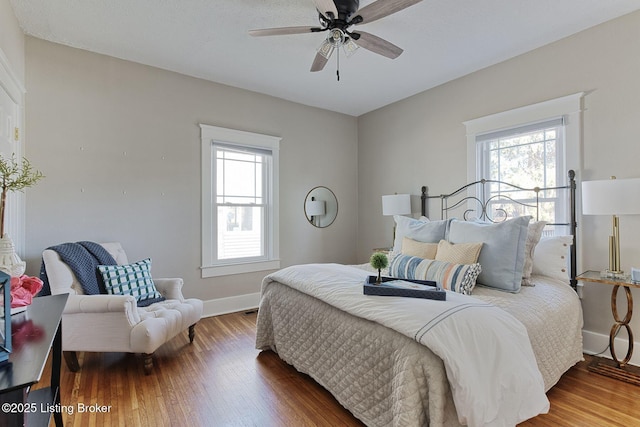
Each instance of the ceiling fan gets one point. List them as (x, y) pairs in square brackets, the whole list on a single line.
[(337, 17)]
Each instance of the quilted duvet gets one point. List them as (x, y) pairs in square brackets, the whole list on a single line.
[(386, 378)]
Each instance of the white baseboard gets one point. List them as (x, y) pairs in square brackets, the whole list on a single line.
[(216, 307), (593, 343)]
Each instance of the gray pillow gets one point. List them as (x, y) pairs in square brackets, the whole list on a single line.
[(419, 230), (502, 255)]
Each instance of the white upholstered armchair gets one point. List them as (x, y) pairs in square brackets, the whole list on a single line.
[(114, 323)]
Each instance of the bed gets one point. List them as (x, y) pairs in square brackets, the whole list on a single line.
[(481, 359)]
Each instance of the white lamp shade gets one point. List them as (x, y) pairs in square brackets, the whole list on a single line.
[(396, 204), (611, 197), (314, 207)]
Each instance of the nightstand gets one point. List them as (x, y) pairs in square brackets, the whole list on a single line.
[(383, 250), (37, 333), (616, 368)]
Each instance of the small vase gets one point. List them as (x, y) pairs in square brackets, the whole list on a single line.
[(10, 262)]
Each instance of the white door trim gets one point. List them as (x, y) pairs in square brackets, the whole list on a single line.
[(9, 81), (15, 89)]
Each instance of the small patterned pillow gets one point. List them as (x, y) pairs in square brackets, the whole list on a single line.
[(419, 249), (459, 278), (133, 279), (459, 253)]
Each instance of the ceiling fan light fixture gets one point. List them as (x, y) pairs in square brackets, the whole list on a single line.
[(335, 39), (326, 48), (349, 47), (336, 36)]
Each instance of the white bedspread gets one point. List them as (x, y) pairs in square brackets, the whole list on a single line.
[(487, 354)]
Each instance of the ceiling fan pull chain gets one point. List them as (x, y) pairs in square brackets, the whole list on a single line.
[(338, 61)]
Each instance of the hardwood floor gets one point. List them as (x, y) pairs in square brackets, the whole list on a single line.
[(221, 380)]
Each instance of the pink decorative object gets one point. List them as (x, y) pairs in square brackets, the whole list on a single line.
[(23, 289)]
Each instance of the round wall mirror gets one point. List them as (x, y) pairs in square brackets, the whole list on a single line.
[(321, 207)]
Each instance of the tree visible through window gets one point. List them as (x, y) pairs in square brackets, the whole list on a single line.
[(530, 146), (526, 156)]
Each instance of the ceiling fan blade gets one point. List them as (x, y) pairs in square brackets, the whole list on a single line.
[(326, 6), (319, 62), (377, 45), (284, 31), (381, 8)]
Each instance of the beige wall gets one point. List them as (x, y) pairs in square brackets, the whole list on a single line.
[(85, 111), (12, 40), (119, 144), (421, 140)]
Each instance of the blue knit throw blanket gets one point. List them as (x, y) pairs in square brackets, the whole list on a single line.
[(83, 258)]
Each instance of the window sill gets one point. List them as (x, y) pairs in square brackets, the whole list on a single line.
[(229, 269)]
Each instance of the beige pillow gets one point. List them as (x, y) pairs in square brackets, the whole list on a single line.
[(533, 237), (420, 249), (459, 253)]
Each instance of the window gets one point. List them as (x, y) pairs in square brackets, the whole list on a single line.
[(533, 146), (239, 201), (526, 156)]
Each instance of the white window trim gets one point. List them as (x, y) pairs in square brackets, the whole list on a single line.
[(16, 208), (569, 107), (208, 135)]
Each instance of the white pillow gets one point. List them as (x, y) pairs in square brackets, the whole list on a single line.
[(551, 257)]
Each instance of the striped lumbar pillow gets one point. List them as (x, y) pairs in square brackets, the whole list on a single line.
[(459, 278)]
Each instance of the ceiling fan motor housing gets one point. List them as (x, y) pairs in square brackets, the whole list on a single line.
[(346, 9)]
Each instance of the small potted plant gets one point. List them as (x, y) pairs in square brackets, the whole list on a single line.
[(379, 261), (14, 176)]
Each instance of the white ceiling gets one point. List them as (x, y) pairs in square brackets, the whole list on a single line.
[(442, 40)]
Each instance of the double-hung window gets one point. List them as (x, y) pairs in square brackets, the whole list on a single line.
[(533, 146), (526, 156), (239, 201)]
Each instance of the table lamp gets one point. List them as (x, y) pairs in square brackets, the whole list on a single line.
[(612, 197), (396, 204)]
